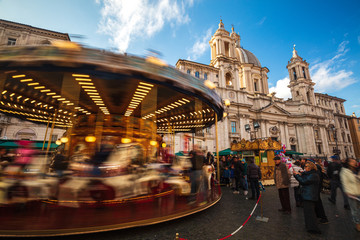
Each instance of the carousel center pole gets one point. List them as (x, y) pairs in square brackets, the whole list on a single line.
[(217, 149)]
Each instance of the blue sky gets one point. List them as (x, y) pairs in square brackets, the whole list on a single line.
[(326, 33)]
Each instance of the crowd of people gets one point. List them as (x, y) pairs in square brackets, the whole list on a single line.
[(306, 178)]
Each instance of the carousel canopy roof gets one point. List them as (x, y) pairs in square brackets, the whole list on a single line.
[(38, 83)]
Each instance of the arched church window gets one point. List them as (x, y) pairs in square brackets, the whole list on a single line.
[(228, 80), (197, 74), (256, 87), (294, 74), (227, 49), (304, 74), (25, 134), (188, 71), (205, 76), (297, 93)]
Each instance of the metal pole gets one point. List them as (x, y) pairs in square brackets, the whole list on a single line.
[(47, 127), (217, 148)]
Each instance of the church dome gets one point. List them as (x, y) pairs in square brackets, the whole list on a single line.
[(245, 56)]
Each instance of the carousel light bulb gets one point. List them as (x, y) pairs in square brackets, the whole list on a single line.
[(125, 140), (64, 139), (163, 145), (90, 138), (153, 143), (58, 142)]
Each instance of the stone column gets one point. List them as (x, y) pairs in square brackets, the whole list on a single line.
[(324, 141), (310, 139), (287, 141), (262, 128), (282, 133), (300, 138)]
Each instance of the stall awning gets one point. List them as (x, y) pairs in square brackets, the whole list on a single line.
[(181, 153), (225, 152), (9, 144), (290, 152)]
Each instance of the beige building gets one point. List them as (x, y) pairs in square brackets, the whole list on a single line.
[(13, 34), (354, 125), (311, 123)]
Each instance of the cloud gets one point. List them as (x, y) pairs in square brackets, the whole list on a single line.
[(327, 75), (126, 20), (281, 89), (355, 106), (261, 21), (200, 46)]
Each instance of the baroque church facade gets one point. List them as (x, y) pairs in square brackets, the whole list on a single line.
[(311, 123)]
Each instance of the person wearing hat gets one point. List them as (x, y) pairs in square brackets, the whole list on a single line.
[(333, 172), (282, 183)]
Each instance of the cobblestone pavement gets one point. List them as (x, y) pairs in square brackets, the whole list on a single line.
[(230, 212)]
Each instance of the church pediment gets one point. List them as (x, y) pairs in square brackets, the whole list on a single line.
[(274, 108)]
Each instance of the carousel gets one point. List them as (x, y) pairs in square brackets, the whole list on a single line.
[(263, 152), (112, 168)]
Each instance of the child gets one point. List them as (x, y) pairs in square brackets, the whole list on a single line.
[(232, 177), (227, 174)]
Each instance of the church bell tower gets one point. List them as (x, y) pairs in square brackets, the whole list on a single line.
[(301, 85)]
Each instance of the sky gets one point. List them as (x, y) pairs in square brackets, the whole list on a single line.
[(326, 33)]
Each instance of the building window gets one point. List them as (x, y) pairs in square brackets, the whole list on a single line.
[(205, 76), (319, 148), (359, 129), (316, 132), (308, 97), (345, 124), (340, 122), (274, 138), (256, 85), (349, 139), (358, 121), (293, 148), (227, 49), (294, 74), (228, 80), (304, 72), (11, 41), (197, 74), (188, 71), (233, 127)]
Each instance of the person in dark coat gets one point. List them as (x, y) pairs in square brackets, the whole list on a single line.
[(309, 181), (319, 208), (238, 166), (254, 175)]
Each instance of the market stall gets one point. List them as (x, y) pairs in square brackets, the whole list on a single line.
[(262, 151)]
